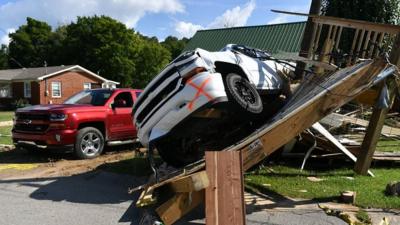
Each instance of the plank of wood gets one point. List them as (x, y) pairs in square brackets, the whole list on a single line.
[(369, 97), (146, 198), (373, 134), (178, 206), (308, 38), (331, 138), (370, 141), (335, 120), (189, 183), (225, 195), (350, 23)]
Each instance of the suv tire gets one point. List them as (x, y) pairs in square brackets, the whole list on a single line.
[(242, 95), (89, 143)]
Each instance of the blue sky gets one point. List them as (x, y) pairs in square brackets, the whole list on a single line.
[(159, 18)]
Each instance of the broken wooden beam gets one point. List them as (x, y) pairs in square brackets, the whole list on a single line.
[(373, 134), (179, 205), (336, 120), (189, 183), (225, 195)]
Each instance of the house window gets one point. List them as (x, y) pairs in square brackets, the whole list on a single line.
[(27, 89), (56, 89), (87, 86), (5, 90)]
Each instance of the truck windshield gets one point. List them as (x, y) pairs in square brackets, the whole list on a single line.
[(90, 97)]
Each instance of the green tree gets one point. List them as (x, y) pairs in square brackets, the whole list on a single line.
[(174, 45), (56, 46), (104, 46), (153, 58), (30, 44), (379, 11), (3, 57)]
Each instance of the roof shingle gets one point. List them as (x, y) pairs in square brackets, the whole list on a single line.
[(30, 73)]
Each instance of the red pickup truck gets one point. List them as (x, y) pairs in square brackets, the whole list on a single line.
[(84, 123)]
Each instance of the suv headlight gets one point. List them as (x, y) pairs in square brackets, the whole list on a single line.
[(58, 117)]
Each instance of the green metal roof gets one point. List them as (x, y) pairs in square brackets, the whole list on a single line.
[(273, 38)]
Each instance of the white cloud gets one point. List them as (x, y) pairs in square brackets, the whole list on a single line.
[(187, 29), (4, 38), (13, 14), (279, 19), (234, 17)]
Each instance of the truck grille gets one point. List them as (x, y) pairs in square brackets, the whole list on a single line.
[(160, 97), (148, 90), (31, 123), (26, 116), (40, 128)]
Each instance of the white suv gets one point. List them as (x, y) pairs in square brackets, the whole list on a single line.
[(208, 100)]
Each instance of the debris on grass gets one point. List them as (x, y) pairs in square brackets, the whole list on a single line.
[(363, 217), (348, 197), (314, 179), (393, 188)]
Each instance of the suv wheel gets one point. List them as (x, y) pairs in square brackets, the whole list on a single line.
[(89, 143), (242, 94)]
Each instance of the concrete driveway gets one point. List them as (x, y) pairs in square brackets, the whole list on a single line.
[(89, 198), (51, 188), (99, 197)]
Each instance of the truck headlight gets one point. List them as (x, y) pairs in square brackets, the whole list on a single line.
[(58, 117)]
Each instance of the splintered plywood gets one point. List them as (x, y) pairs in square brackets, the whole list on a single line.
[(225, 194), (178, 206)]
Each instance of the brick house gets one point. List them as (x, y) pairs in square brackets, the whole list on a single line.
[(47, 85)]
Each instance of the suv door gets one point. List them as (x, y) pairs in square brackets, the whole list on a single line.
[(119, 120)]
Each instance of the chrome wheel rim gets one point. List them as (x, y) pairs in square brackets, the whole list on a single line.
[(245, 92), (90, 144)]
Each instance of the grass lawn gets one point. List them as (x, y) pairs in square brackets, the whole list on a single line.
[(388, 145), (5, 131), (290, 181), (6, 115)]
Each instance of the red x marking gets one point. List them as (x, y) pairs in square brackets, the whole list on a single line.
[(200, 90)]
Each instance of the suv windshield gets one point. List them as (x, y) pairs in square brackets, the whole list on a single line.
[(91, 97)]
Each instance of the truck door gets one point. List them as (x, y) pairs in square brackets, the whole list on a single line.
[(119, 120)]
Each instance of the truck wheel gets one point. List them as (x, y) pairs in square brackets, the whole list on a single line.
[(242, 94), (89, 143)]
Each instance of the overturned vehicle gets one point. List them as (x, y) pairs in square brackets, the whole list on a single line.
[(209, 100)]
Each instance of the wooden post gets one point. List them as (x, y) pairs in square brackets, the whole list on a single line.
[(371, 138), (377, 120), (225, 194), (307, 41)]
